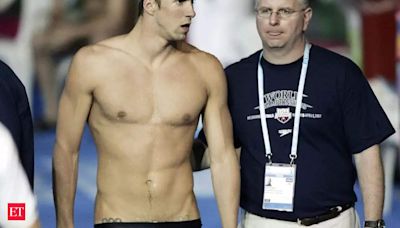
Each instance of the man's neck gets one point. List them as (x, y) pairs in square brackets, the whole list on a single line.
[(149, 44), (280, 56)]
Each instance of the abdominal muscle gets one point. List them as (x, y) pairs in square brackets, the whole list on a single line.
[(145, 178)]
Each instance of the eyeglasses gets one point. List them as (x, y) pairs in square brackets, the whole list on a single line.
[(284, 13)]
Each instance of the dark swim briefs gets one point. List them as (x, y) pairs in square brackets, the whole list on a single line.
[(184, 224)]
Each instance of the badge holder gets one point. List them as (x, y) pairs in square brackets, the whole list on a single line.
[(279, 185), (280, 178)]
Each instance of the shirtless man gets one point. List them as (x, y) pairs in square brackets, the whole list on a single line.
[(142, 94)]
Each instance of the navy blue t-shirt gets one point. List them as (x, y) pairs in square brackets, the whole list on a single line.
[(340, 116), (15, 114)]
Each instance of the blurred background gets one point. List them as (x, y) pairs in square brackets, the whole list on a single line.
[(39, 37)]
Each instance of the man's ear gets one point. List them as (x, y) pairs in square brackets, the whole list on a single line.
[(150, 6), (307, 18)]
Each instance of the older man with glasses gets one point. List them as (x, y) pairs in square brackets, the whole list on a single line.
[(300, 115)]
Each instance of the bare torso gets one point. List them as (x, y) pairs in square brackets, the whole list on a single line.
[(143, 120)]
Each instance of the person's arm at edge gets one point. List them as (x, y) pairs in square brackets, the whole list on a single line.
[(370, 175), (107, 25), (14, 183), (223, 160), (75, 104), (57, 11), (16, 93)]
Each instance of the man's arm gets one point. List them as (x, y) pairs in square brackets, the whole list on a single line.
[(74, 108), (109, 23), (370, 175), (57, 11), (200, 157), (223, 159)]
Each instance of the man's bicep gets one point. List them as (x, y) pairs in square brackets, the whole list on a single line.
[(74, 105), (217, 119), (73, 112)]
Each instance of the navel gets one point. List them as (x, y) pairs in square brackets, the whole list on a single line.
[(149, 197)]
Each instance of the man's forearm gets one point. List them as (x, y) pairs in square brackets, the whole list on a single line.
[(226, 182), (370, 175), (200, 157), (64, 186)]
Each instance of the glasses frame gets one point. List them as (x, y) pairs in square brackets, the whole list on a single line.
[(283, 13)]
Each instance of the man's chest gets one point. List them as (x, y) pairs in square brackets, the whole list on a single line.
[(320, 107), (172, 97)]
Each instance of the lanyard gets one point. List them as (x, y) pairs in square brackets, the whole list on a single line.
[(299, 99)]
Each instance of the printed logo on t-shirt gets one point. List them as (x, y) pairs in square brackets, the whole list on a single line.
[(280, 99), (283, 115), (284, 132)]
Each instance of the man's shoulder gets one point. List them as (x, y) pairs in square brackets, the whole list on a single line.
[(94, 52), (197, 54), (3, 66), (8, 78), (91, 64), (207, 66), (98, 57), (249, 61), (5, 72), (245, 62), (104, 48), (202, 59), (323, 55), (332, 63)]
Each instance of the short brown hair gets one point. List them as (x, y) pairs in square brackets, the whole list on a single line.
[(305, 2), (140, 6)]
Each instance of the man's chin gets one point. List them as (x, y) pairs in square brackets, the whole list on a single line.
[(181, 37), (274, 45)]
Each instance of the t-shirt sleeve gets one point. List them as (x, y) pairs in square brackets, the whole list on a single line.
[(365, 122)]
